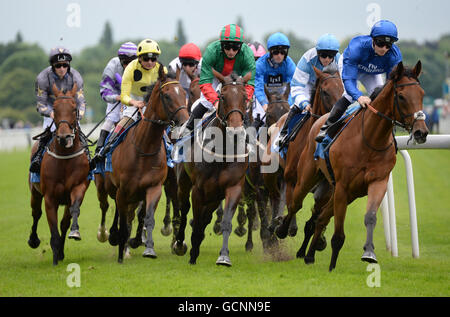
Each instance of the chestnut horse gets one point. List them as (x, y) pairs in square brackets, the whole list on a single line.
[(63, 176), (327, 90), (216, 176), (139, 162), (361, 158)]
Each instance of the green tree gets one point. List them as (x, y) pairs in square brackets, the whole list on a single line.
[(181, 38), (17, 89), (33, 60), (107, 37)]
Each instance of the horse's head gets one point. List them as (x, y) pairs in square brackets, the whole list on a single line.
[(408, 100), (168, 99), (328, 89), (65, 116), (233, 99), (277, 102)]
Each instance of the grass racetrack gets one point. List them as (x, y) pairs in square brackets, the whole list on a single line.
[(29, 272)]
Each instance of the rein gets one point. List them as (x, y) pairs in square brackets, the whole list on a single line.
[(223, 119)]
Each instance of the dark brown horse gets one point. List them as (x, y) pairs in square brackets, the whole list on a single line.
[(255, 194), (327, 90), (63, 176), (361, 159), (139, 162), (218, 174)]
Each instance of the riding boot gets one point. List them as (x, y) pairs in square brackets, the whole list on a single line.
[(101, 140), (335, 114), (281, 140), (35, 166), (196, 114)]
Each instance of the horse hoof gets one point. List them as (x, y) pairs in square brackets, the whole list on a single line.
[(293, 231), (300, 254), (134, 243), (34, 243), (249, 246), (224, 260), (149, 253), (281, 232), (309, 260), (217, 229), (113, 239), (102, 235), (321, 244), (179, 250), (369, 256), (240, 231), (75, 234), (166, 230)]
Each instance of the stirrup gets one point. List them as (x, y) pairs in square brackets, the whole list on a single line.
[(321, 135)]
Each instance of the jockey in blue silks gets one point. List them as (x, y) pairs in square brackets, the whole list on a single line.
[(325, 52), (273, 68), (365, 59)]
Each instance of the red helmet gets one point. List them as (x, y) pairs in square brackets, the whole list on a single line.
[(190, 51)]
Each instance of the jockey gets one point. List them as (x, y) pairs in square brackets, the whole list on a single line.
[(273, 68), (189, 62), (139, 74), (60, 73), (225, 56), (257, 109), (365, 59), (325, 52), (110, 88)]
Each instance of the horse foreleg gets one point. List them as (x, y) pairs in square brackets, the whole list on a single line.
[(76, 198), (322, 195), (152, 198), (240, 231), (140, 237), (179, 246), (219, 214), (36, 211), (102, 195), (114, 230), (340, 208), (375, 195), (232, 196), (51, 209)]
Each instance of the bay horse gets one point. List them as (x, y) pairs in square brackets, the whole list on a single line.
[(255, 194), (219, 177), (63, 176), (327, 90), (139, 162), (361, 158)]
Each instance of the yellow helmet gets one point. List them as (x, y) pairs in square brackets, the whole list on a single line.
[(149, 47)]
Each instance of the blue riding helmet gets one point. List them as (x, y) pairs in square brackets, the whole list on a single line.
[(328, 42), (384, 28), (278, 39)]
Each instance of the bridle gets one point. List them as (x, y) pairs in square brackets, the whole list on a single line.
[(170, 115), (223, 118), (321, 93), (418, 116)]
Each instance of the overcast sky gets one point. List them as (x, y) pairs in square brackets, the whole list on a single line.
[(80, 22)]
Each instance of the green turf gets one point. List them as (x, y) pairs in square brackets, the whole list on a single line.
[(29, 272)]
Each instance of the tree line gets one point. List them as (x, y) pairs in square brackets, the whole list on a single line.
[(20, 62)]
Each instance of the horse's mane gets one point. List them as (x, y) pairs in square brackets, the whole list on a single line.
[(161, 76), (331, 70), (406, 72)]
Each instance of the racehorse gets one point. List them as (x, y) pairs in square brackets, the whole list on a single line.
[(139, 162), (170, 186), (219, 177), (361, 159), (327, 90), (254, 189), (63, 176)]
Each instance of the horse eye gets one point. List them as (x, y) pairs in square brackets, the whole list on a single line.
[(401, 97)]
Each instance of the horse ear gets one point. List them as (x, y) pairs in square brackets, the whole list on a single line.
[(287, 90), (74, 89), (177, 76), (162, 72), (218, 75), (417, 69), (397, 72), (55, 90), (247, 77), (318, 72)]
